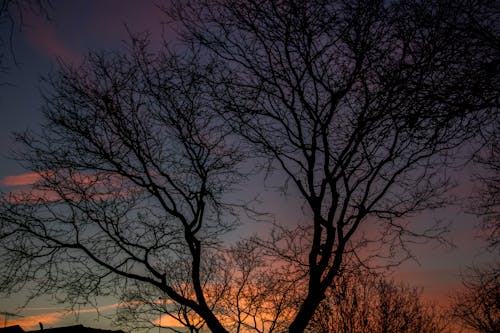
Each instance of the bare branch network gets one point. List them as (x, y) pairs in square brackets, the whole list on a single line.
[(359, 106)]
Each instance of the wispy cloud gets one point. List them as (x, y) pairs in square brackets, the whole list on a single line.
[(52, 318), (21, 180), (42, 35), (167, 320), (71, 185)]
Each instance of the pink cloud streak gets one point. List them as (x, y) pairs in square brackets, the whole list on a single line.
[(96, 187), (42, 35), (21, 180)]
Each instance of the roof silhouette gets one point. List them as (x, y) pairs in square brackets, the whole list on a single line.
[(12, 329), (68, 329)]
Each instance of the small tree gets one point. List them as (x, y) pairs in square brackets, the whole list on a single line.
[(366, 302), (477, 305)]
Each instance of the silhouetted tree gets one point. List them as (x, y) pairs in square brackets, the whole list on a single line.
[(477, 306), (361, 105), (367, 302), (132, 165)]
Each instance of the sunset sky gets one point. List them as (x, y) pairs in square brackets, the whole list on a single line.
[(77, 26)]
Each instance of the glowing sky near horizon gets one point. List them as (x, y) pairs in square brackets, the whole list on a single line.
[(81, 25)]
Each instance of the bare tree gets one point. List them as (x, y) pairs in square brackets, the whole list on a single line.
[(361, 105), (251, 297), (477, 306), (132, 165), (361, 301)]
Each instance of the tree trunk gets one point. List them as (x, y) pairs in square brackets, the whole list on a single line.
[(306, 312)]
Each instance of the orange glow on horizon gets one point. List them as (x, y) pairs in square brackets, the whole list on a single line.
[(32, 321), (166, 320)]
